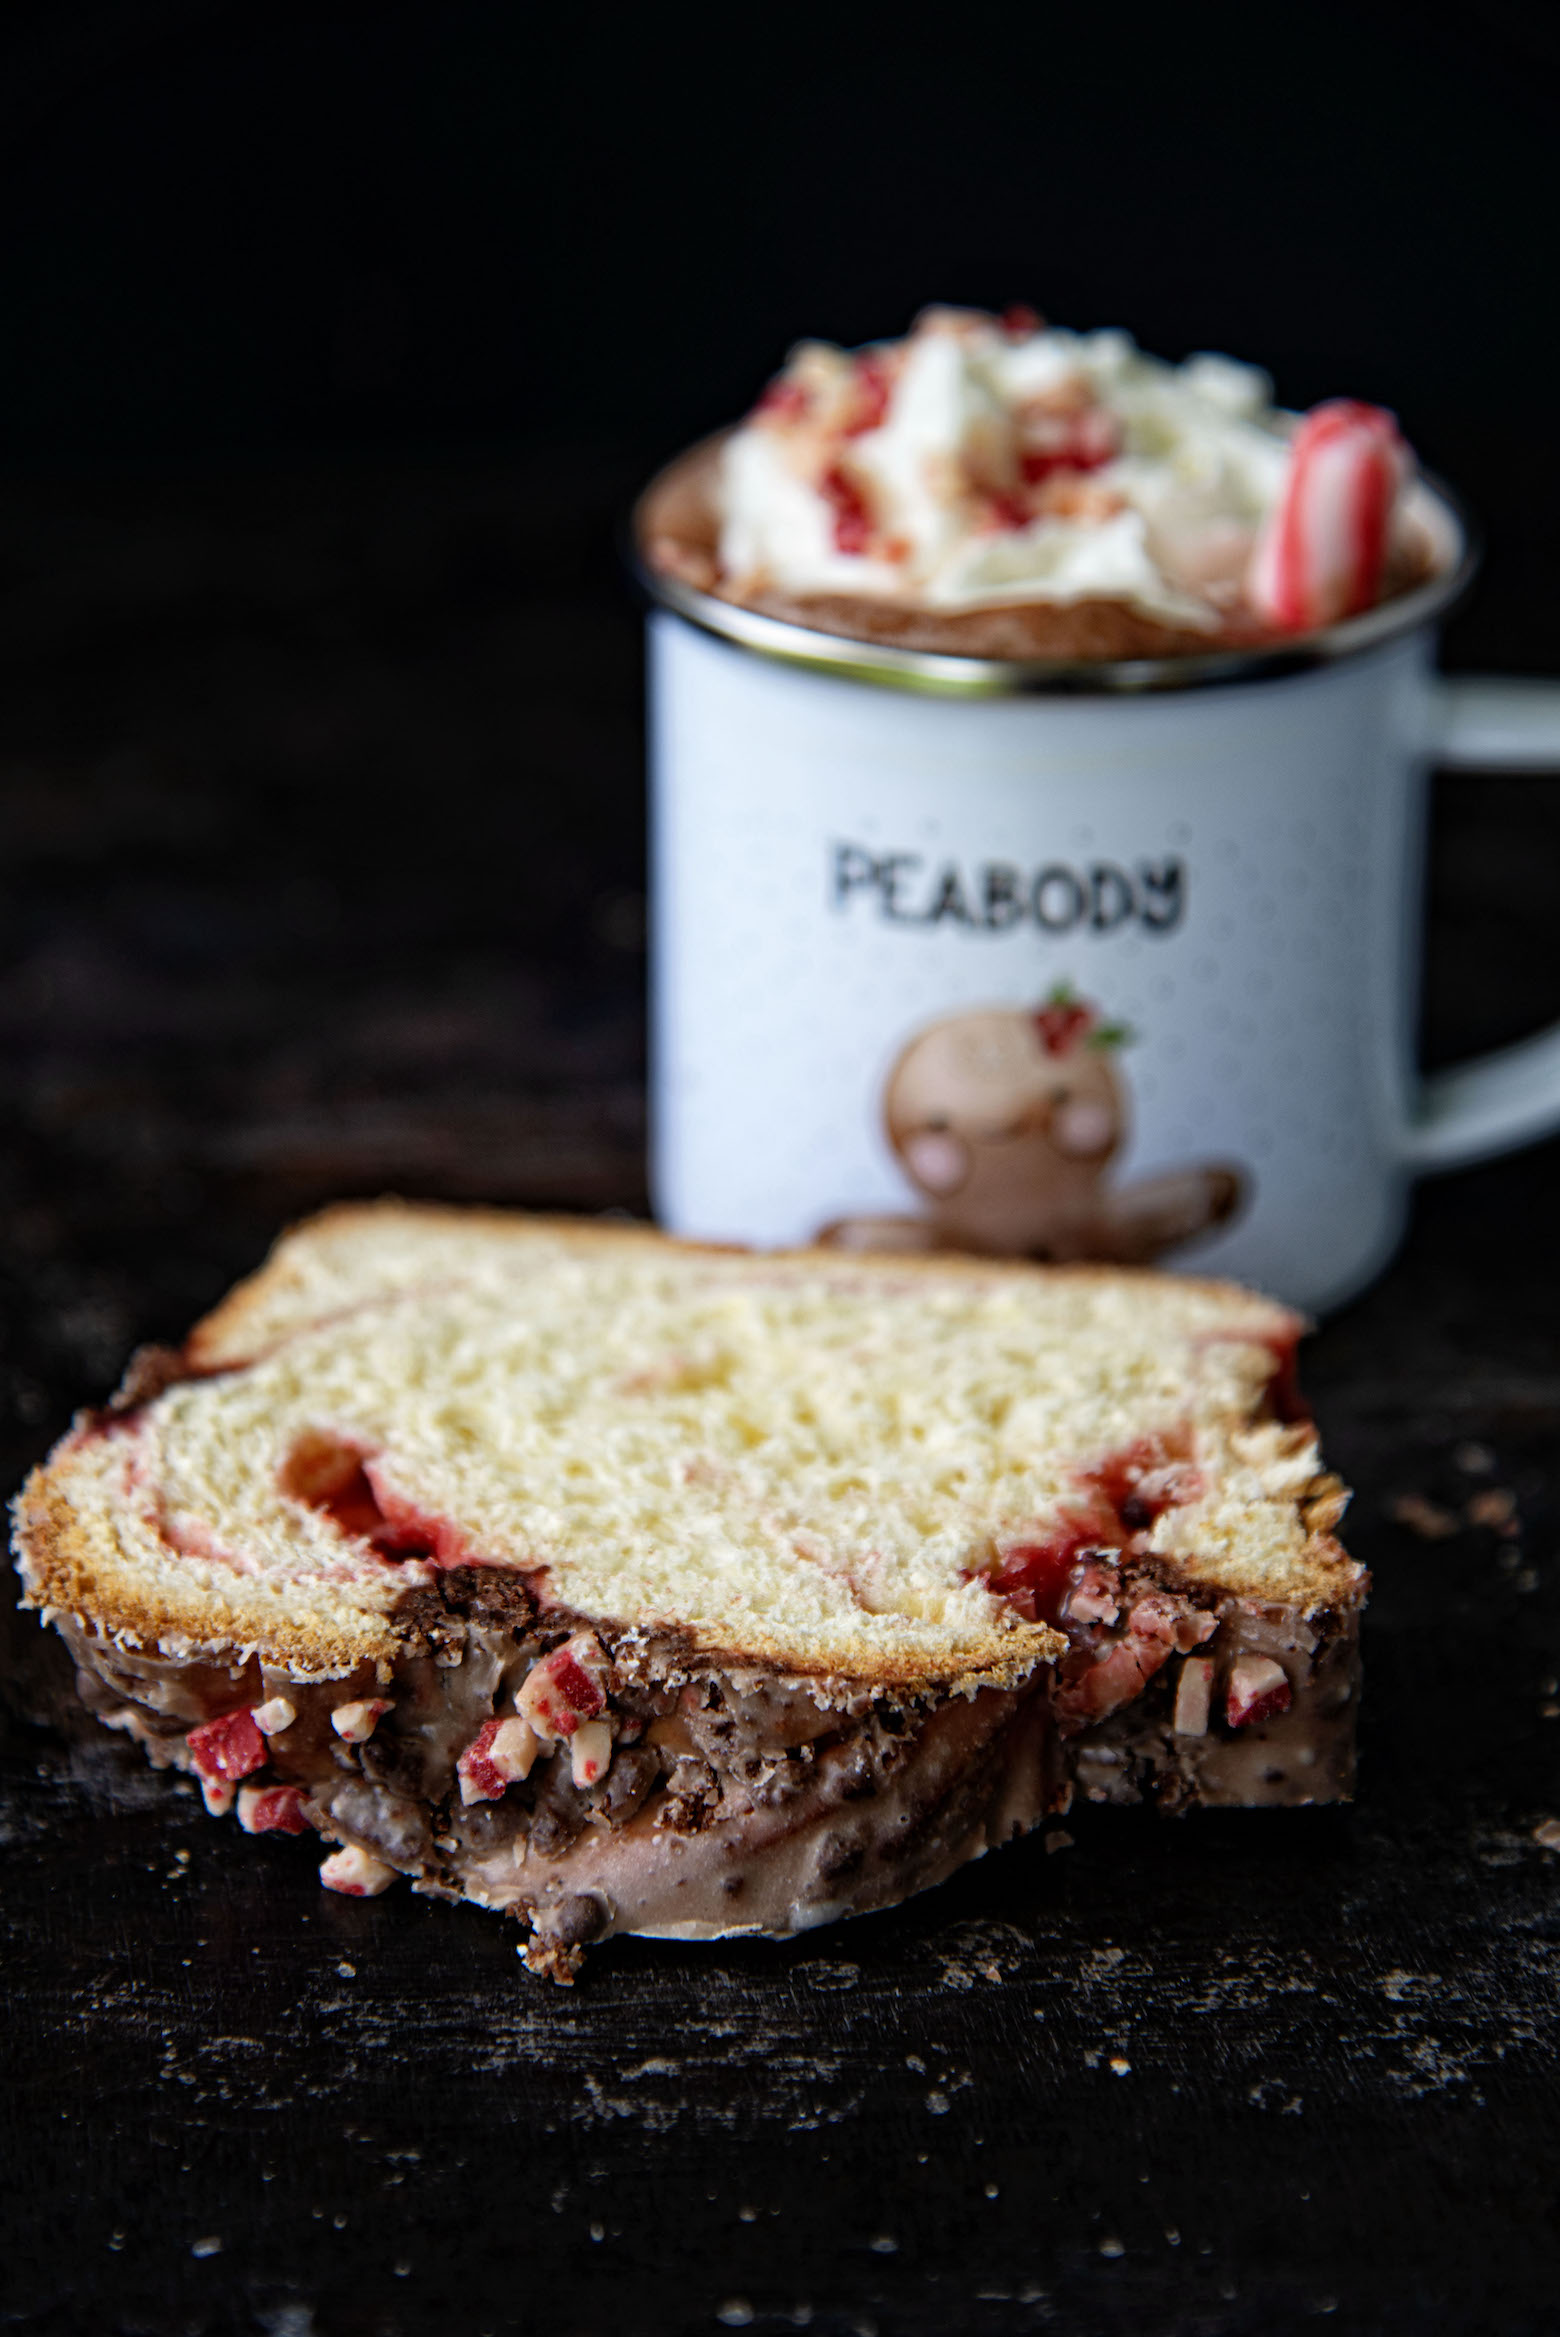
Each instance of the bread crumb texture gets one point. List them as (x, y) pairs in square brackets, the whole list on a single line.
[(796, 1459)]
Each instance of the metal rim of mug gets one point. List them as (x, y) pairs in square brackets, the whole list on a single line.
[(940, 674)]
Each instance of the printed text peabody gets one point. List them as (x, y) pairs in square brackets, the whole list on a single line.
[(997, 896)]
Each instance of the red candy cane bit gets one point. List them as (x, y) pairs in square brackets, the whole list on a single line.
[(577, 1686), (356, 1873), (481, 1779), (502, 1751), (1094, 1596), (1092, 1684), (1258, 1690), (272, 1809), (872, 388), (564, 1688), (1323, 552), (852, 512), (590, 1752), (356, 1722), (1018, 320), (229, 1748), (784, 400), (1068, 442), (1001, 511)]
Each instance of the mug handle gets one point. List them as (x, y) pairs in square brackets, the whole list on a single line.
[(1508, 1098)]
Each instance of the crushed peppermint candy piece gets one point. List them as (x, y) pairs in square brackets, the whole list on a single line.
[(480, 1777), (1093, 1597), (230, 1748), (564, 1688), (590, 1752), (355, 1723), (515, 1747), (356, 1873), (1193, 1696), (501, 1752), (273, 1716), (272, 1809), (1258, 1689)]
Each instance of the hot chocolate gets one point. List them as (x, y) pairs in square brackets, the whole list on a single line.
[(992, 487)]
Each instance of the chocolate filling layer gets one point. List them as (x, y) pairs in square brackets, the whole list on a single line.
[(733, 1800)]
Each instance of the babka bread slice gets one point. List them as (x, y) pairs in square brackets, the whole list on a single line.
[(631, 1586)]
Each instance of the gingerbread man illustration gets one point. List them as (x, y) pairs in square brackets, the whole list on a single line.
[(1006, 1120)]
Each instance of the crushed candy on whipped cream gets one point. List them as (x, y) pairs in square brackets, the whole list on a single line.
[(985, 460)]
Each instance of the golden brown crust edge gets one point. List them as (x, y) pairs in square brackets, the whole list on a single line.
[(219, 1341), (70, 1564), (67, 1570)]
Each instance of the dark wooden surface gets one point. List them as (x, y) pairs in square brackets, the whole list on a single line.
[(320, 872)]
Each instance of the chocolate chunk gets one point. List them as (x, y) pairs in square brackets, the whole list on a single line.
[(692, 1793), (488, 1594), (438, 1612), (626, 1785), (573, 1922), (561, 1811), (488, 1825), (400, 1763)]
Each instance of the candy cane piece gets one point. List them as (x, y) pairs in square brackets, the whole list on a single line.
[(1321, 554)]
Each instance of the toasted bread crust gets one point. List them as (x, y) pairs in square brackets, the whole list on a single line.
[(234, 1332), (71, 1564)]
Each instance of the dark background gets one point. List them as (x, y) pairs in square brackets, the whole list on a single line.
[(238, 235), (237, 232), (334, 341)]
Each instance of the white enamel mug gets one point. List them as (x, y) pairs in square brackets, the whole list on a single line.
[(1064, 961)]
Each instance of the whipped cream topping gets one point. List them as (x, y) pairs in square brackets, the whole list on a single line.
[(982, 461)]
